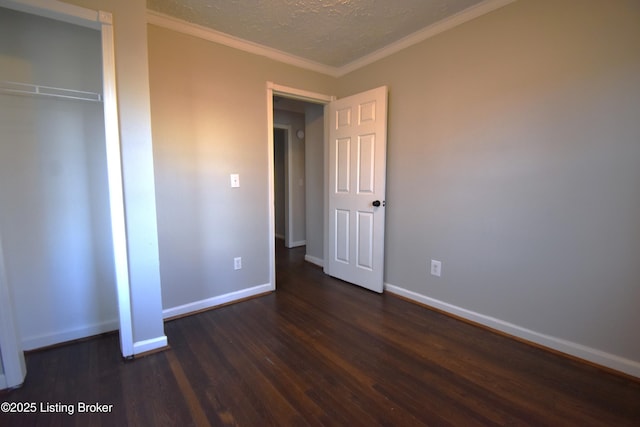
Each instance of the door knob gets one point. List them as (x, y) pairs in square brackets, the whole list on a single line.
[(376, 203)]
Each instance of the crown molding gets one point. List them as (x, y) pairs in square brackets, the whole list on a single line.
[(421, 35), (175, 24), (57, 10)]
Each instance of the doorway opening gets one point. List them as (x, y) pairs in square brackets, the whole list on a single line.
[(353, 182), (296, 171)]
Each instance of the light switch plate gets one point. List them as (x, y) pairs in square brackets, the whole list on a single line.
[(436, 268), (235, 180)]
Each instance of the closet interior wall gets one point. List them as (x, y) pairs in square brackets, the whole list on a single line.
[(54, 202)]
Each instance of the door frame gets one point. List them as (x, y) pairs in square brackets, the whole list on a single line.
[(299, 95), (11, 347)]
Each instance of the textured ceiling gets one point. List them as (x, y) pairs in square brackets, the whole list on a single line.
[(329, 32)]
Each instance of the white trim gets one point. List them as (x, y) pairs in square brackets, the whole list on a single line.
[(144, 346), (419, 36), (299, 94), (45, 340), (215, 301), (593, 355), (116, 192), (280, 236), (11, 355), (271, 190), (57, 10), (209, 34), (175, 24), (314, 260), (298, 243)]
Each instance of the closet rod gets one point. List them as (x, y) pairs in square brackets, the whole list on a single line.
[(31, 89)]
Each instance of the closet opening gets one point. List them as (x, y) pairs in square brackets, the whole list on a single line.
[(63, 259)]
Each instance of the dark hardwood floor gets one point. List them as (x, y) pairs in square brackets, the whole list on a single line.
[(321, 352)]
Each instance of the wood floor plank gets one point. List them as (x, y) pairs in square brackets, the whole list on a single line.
[(320, 352)]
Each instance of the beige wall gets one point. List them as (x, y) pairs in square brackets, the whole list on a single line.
[(514, 143), (209, 114)]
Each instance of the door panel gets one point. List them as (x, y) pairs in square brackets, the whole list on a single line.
[(343, 165), (365, 240), (357, 153), (342, 236), (366, 164)]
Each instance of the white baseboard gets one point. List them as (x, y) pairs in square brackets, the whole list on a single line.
[(280, 236), (314, 260), (215, 301), (598, 357), (298, 243), (144, 346), (39, 341)]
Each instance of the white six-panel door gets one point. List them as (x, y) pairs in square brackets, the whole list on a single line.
[(357, 172)]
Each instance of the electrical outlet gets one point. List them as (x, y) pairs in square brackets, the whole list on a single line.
[(436, 268), (237, 263)]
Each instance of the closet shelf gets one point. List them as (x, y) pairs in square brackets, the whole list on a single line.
[(56, 92)]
